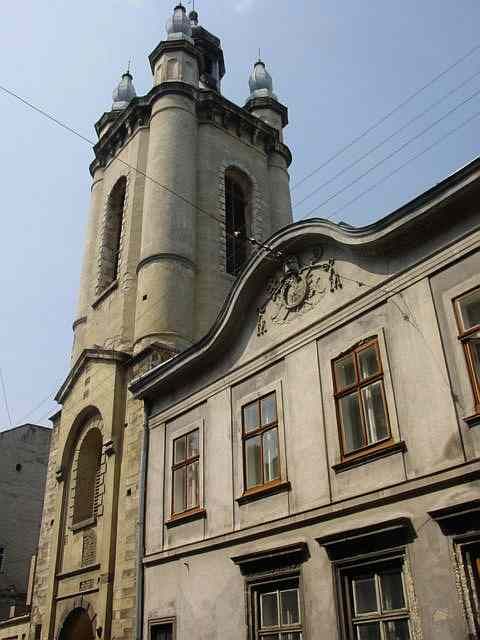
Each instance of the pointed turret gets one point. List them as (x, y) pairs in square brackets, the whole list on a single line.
[(124, 92), (262, 102)]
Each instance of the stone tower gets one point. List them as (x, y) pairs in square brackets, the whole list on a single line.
[(182, 180)]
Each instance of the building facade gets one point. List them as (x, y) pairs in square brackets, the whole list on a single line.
[(181, 179), (313, 463), (23, 470)]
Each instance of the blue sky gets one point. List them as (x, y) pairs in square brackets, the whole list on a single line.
[(339, 66)]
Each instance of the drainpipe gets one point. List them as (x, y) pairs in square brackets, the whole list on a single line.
[(141, 528)]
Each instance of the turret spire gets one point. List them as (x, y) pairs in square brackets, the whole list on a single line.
[(124, 93)]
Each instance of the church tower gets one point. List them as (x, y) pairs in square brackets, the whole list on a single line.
[(182, 181)]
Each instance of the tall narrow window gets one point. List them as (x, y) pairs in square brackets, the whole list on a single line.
[(236, 222), (110, 258), (185, 473), (2, 559), (260, 442), (88, 470), (468, 316), (360, 398)]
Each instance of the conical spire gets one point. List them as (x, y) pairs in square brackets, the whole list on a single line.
[(124, 93)]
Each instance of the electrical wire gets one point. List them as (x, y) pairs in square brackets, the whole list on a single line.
[(402, 166), (60, 123), (5, 400), (391, 154), (388, 115), (388, 138)]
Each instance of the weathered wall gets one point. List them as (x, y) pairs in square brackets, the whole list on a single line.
[(23, 468)]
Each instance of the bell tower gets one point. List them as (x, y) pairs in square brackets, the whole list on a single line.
[(182, 180)]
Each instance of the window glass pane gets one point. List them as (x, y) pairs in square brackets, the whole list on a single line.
[(345, 372), (269, 409), (253, 461), (392, 591), (251, 419), (192, 485), (291, 635), (475, 349), (368, 362), (397, 630), (271, 464), (375, 417), (351, 422), (179, 490), (269, 609), (179, 450), (271, 636), (162, 632), (470, 309), (369, 631), (365, 595), (192, 444), (290, 613)]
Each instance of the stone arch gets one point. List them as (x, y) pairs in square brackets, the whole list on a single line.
[(110, 248), (238, 218), (78, 622), (84, 458)]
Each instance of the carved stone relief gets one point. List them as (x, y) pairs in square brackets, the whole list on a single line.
[(297, 288)]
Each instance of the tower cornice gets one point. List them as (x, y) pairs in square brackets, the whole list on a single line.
[(211, 108), (167, 46)]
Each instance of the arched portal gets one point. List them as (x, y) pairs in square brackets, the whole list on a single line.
[(77, 626)]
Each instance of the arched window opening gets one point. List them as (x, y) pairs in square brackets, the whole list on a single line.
[(77, 626), (112, 235), (237, 203), (88, 476)]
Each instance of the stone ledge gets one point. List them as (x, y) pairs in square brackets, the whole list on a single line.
[(369, 456), (188, 516), (264, 491)]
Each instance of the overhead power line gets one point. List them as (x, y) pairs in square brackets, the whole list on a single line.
[(388, 115), (5, 400), (391, 154), (60, 123), (388, 138), (402, 166)]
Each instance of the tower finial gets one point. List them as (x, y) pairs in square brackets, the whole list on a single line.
[(128, 66)]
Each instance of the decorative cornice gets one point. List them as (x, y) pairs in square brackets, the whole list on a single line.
[(458, 518), (211, 108), (269, 559), (374, 238), (158, 257), (93, 354), (267, 102), (173, 45)]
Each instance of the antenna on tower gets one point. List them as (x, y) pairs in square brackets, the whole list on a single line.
[(128, 67)]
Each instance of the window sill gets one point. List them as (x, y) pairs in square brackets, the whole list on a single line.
[(396, 447), (265, 490), (473, 421), (105, 293), (84, 524), (188, 516)]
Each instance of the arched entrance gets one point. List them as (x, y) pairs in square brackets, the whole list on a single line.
[(77, 626)]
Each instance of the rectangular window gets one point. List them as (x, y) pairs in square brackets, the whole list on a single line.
[(185, 473), (2, 559), (161, 631), (467, 309), (260, 442), (376, 604), (277, 611), (360, 398)]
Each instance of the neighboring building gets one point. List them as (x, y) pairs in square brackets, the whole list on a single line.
[(181, 178), (23, 470), (313, 463)]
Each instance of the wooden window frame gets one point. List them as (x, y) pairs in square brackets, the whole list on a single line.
[(465, 338), (357, 387), (259, 432), (277, 587), (346, 571), (185, 463)]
